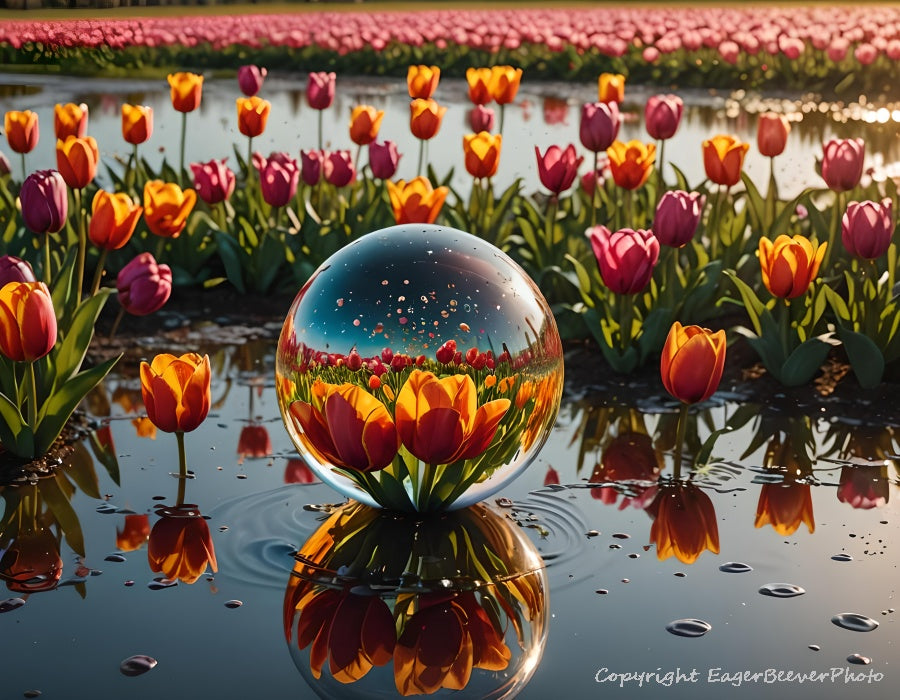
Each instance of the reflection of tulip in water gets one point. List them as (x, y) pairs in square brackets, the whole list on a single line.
[(135, 531), (864, 486), (628, 458), (684, 522), (180, 545), (254, 441), (785, 506), (30, 563), (298, 472)]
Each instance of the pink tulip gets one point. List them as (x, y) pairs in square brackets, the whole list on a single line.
[(338, 168), (250, 79), (626, 257), (311, 166), (842, 163), (662, 115), (599, 125), (144, 286), (592, 181), (278, 178), (557, 168), (383, 159), (320, 90), (867, 228), (481, 118), (677, 216), (214, 181)]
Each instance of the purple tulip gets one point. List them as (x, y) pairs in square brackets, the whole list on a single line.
[(144, 286), (311, 166), (338, 169), (599, 125), (250, 79), (557, 168), (320, 90), (481, 118), (13, 269), (842, 163), (677, 216), (45, 201), (867, 228), (662, 115), (626, 257), (213, 181), (278, 178), (383, 159)]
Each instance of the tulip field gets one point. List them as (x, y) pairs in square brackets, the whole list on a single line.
[(715, 317)]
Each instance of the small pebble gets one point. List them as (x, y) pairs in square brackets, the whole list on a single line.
[(32, 693), (815, 647), (602, 591), (233, 604), (137, 664), (621, 536), (592, 533)]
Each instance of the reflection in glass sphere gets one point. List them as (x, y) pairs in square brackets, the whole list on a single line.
[(387, 605), (419, 369)]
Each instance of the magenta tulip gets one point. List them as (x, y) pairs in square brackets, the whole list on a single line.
[(599, 125), (626, 257), (320, 90), (45, 202), (677, 216), (383, 159), (481, 118), (278, 178), (214, 181), (338, 169), (557, 168), (311, 166), (662, 115), (842, 163), (867, 228), (13, 269), (144, 286), (250, 79)]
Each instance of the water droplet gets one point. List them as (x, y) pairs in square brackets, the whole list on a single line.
[(815, 647), (602, 591), (621, 535), (241, 476), (633, 555), (223, 528), (137, 664), (615, 546), (842, 557), (689, 627), (592, 533), (159, 583), (626, 580), (115, 557), (782, 590), (854, 622), (11, 604), (129, 583), (859, 659), (735, 567), (233, 604), (31, 694), (680, 574)]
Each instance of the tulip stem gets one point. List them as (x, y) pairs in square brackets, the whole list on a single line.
[(98, 275), (421, 156), (32, 398), (425, 487), (832, 232), (182, 467), (680, 432), (661, 183), (47, 259), (24, 170), (594, 190), (183, 139), (502, 114), (771, 199), (713, 226), (552, 208), (320, 128), (626, 319), (82, 244)]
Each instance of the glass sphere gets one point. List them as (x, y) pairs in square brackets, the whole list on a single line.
[(387, 605), (419, 369)]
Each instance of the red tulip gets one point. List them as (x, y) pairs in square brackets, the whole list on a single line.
[(557, 168), (383, 159), (599, 126)]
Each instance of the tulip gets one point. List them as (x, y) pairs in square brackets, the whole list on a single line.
[(628, 459), (625, 258), (383, 159), (864, 486), (144, 428), (77, 160), (611, 87), (352, 632), (13, 269), (45, 202), (662, 115), (254, 441), (176, 391), (842, 163), (772, 133), (425, 118), (557, 168), (416, 201), (555, 110), (167, 207), (504, 84), (320, 90), (482, 151), (692, 362), (278, 178), (422, 81), (677, 217), (599, 125), (338, 169), (252, 113), (631, 163), (27, 321), (439, 421), (185, 91), (135, 531), (479, 80), (5, 165), (137, 123), (298, 472), (143, 285), (365, 121), (347, 426), (481, 118), (114, 219), (684, 524), (311, 166), (31, 563), (22, 130), (592, 181), (250, 79), (443, 641), (789, 265), (867, 228), (180, 545), (551, 478), (70, 120), (785, 507), (214, 181), (723, 158)]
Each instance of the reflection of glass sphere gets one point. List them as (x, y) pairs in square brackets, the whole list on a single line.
[(384, 606), (419, 369)]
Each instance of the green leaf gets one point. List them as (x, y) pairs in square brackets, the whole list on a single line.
[(231, 255), (55, 498), (681, 182), (703, 455), (752, 304), (802, 364), (837, 303), (106, 455), (756, 204), (15, 435), (654, 330), (74, 346), (80, 468), (865, 357)]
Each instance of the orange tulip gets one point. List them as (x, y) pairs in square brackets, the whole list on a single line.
[(176, 391), (76, 160), (422, 81), (479, 80), (789, 265), (186, 90), (166, 207), (684, 524), (114, 219), (253, 113), (365, 121), (137, 123), (443, 641), (416, 201), (346, 426), (631, 163), (144, 428), (70, 120), (27, 321), (180, 545), (21, 130), (692, 362), (482, 152), (723, 158), (439, 420), (135, 531), (504, 83), (425, 118), (611, 87)]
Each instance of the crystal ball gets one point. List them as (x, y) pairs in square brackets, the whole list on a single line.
[(419, 369)]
